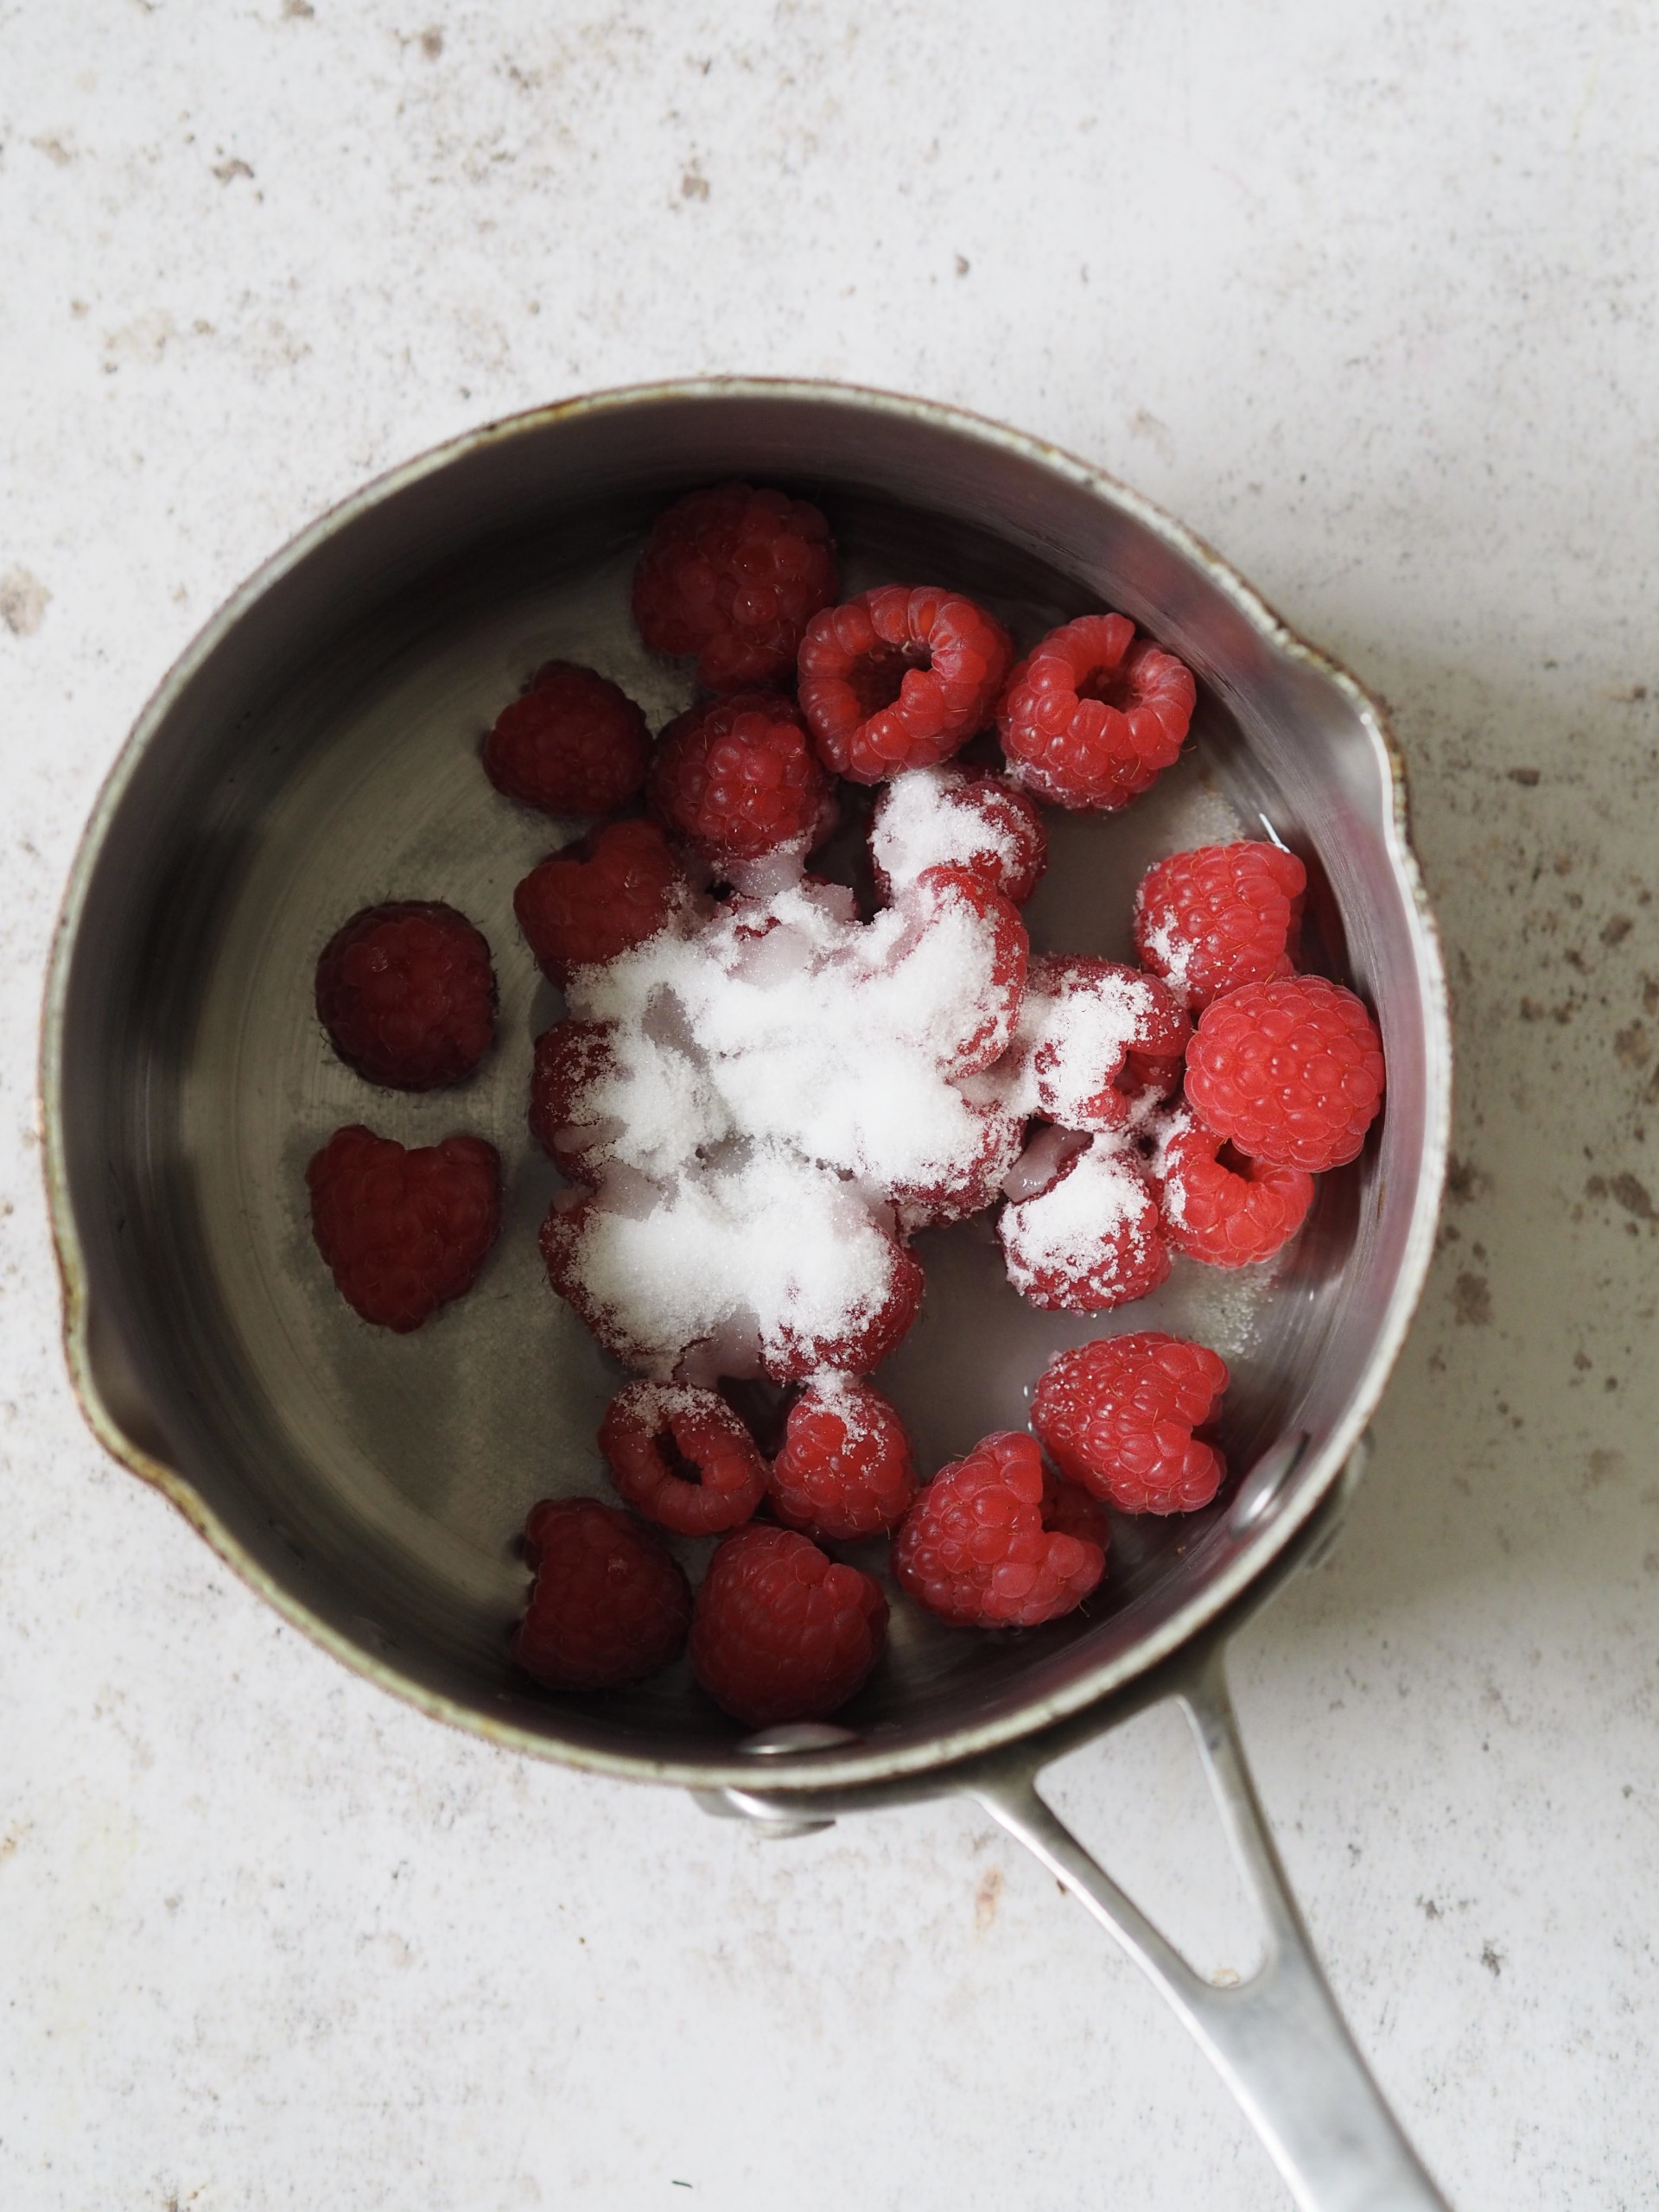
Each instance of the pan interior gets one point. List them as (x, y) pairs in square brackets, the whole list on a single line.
[(383, 1480)]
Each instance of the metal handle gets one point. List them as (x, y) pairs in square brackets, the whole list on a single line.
[(1278, 2040)]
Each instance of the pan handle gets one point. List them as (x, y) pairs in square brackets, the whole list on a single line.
[(1278, 2041)]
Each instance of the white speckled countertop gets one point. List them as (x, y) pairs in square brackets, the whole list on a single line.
[(1368, 297)]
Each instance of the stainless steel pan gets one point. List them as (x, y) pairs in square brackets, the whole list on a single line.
[(315, 751)]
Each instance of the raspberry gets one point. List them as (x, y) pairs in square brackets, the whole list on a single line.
[(732, 574), (977, 1549), (1118, 1416), (899, 679), (940, 818), (598, 896), (1091, 1238), (570, 1057), (574, 744), (1093, 716), (1070, 1510), (1291, 1071), (609, 1604), (404, 1232), (407, 995), (1088, 1028), (969, 951), (862, 1348), (1220, 916), (968, 1186), (781, 1632), (1230, 1217), (845, 1469), (737, 777), (652, 1431)]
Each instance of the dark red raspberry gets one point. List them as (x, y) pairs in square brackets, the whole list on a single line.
[(571, 1059), (1291, 1071), (1091, 1032), (943, 817), (403, 1232), (900, 678), (968, 1185), (1211, 920), (1094, 716), (782, 1633), (575, 744), (975, 1549), (1070, 1510), (968, 944), (598, 896), (1118, 1415), (1229, 1215), (682, 1457), (737, 777), (407, 995), (609, 1604), (1090, 1239), (845, 1470), (732, 574)]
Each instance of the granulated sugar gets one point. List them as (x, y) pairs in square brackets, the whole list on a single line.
[(1093, 1224), (920, 823)]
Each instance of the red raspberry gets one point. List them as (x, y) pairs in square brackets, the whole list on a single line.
[(570, 1057), (407, 995), (737, 777), (1093, 716), (732, 574), (404, 1232), (940, 818), (575, 744), (609, 1604), (1083, 1022), (975, 1547), (782, 1633), (863, 1348), (1230, 1217), (1291, 1071), (1118, 1415), (1220, 916), (975, 1001), (658, 1435), (967, 1187), (845, 1469), (899, 679), (1092, 1238), (598, 896)]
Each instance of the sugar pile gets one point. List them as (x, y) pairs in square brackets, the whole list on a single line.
[(774, 1074)]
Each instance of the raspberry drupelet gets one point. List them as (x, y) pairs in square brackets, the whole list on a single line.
[(1221, 915), (732, 573), (900, 678), (609, 1604), (598, 896), (845, 1469), (1118, 1416), (404, 1232), (1229, 1215), (1291, 1073), (407, 995), (737, 777), (657, 1436), (780, 1631), (1094, 716), (975, 1547), (575, 743)]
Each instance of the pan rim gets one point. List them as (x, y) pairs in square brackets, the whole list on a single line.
[(857, 1765)]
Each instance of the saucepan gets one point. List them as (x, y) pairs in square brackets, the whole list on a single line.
[(314, 752)]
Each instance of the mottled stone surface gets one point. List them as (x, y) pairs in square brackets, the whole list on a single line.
[(1368, 297)]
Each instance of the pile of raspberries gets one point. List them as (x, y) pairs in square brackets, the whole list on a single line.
[(1182, 1107)]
